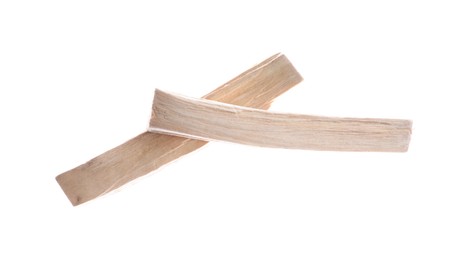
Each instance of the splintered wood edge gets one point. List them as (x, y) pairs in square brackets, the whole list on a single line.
[(257, 87), (210, 120)]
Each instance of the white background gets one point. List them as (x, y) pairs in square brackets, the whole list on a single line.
[(77, 78)]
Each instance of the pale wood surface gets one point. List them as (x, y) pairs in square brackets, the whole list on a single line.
[(257, 87), (210, 120)]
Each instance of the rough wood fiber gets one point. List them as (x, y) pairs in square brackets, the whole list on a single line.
[(210, 120), (257, 87)]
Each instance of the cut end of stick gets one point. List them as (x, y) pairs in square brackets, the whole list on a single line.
[(66, 188), (407, 138)]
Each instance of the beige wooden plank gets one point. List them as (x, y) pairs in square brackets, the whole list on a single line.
[(210, 120), (145, 153)]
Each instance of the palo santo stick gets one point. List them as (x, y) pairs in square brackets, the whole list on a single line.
[(210, 120), (257, 87)]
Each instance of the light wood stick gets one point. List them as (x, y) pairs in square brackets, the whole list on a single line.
[(210, 120), (257, 87)]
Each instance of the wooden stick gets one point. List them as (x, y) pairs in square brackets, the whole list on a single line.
[(257, 87), (210, 120)]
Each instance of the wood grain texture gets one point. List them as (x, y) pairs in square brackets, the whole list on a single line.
[(257, 87), (210, 120)]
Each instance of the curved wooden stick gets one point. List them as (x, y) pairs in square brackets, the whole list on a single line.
[(210, 120)]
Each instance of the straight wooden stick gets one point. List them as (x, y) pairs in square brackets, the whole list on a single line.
[(210, 120), (257, 87)]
